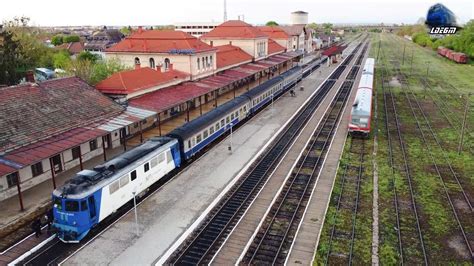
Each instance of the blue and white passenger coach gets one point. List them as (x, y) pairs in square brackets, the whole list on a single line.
[(92, 195), (200, 132)]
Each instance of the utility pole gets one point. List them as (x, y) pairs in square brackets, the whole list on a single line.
[(403, 60), (411, 68), (463, 128)]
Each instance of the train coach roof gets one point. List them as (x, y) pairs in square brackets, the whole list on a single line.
[(194, 126), (362, 103), (263, 87), (291, 72), (366, 81)]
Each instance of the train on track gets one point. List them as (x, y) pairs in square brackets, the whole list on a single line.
[(93, 195), (361, 112), (459, 58)]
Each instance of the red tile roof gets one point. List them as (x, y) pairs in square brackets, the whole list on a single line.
[(160, 41), (234, 29), (72, 47), (43, 149), (130, 81), (32, 112), (274, 47), (228, 55), (274, 32), (293, 30)]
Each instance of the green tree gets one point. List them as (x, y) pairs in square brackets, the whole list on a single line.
[(57, 40), (71, 38), (327, 28), (87, 56), (314, 26), (126, 30), (271, 23), (61, 60), (9, 53), (105, 69)]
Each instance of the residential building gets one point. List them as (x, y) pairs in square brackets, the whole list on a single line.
[(196, 29), (73, 48), (99, 41)]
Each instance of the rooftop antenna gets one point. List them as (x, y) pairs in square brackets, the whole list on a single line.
[(225, 10)]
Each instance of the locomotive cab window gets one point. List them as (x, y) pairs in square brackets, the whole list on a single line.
[(58, 203), (83, 205), (72, 206), (146, 167), (133, 175)]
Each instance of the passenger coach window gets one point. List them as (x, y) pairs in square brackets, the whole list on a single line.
[(232, 116), (133, 175), (189, 144), (124, 180), (217, 126), (205, 134), (211, 130), (198, 138), (72, 206), (227, 120), (222, 123), (169, 156), (83, 205), (146, 167)]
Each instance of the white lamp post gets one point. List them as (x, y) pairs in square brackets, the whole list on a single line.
[(231, 133), (135, 208)]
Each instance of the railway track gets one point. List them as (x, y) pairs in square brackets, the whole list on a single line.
[(453, 121), (348, 199), (272, 244), (412, 249), (454, 191), (207, 239)]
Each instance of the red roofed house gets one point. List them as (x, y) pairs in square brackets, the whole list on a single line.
[(229, 56), (132, 83), (241, 34), (279, 35), (74, 48), (168, 49)]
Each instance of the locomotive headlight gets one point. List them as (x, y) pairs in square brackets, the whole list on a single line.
[(74, 223)]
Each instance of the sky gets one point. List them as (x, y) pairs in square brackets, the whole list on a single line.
[(164, 12)]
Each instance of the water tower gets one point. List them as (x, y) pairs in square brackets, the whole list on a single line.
[(299, 18)]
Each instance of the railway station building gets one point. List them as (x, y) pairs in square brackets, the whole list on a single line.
[(52, 126)]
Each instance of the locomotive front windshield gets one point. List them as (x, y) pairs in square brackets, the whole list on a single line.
[(71, 206)]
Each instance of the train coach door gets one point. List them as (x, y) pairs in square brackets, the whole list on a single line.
[(92, 209)]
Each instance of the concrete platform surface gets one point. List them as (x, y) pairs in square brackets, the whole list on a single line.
[(166, 215)]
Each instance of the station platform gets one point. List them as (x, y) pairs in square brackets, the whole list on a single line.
[(168, 213)]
